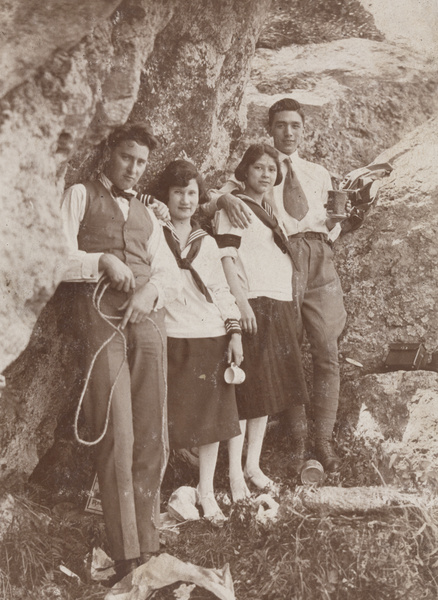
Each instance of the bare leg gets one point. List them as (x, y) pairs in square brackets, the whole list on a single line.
[(256, 433), (207, 466), (239, 489)]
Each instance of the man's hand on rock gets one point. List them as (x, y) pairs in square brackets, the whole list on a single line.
[(237, 211), (119, 274)]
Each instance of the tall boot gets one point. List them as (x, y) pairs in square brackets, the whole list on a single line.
[(298, 437), (326, 454), (324, 450)]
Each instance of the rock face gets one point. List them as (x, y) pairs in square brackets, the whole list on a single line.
[(389, 273), (400, 409), (360, 97), (181, 64), (389, 267)]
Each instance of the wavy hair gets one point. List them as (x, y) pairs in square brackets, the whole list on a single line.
[(179, 173)]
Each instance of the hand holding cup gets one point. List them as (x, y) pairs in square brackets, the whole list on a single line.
[(338, 205), (234, 374)]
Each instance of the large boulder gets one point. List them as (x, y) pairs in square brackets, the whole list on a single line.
[(181, 64), (389, 267)]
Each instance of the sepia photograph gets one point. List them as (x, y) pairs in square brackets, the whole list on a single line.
[(219, 300)]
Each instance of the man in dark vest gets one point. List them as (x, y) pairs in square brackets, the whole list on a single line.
[(123, 274)]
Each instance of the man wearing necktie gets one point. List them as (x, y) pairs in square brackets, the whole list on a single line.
[(121, 273), (299, 205)]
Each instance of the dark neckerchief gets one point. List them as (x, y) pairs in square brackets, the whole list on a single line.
[(118, 193), (267, 217), (195, 241)]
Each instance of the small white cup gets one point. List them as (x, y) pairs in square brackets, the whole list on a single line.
[(234, 374)]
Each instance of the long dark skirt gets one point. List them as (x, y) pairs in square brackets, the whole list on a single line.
[(275, 378), (201, 406)]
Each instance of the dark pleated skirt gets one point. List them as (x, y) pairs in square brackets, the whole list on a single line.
[(201, 406), (272, 362)]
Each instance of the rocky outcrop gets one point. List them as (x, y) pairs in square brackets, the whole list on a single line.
[(84, 68), (360, 97), (389, 266), (183, 66), (389, 272), (399, 412), (33, 32)]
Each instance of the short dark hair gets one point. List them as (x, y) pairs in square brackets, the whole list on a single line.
[(285, 104), (179, 173), (252, 154), (136, 132)]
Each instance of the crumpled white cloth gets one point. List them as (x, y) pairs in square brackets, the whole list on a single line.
[(182, 504), (267, 509), (164, 570)]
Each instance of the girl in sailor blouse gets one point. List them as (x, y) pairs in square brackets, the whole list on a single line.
[(259, 271), (203, 331)]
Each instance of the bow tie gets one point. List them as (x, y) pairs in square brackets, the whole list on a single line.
[(118, 193)]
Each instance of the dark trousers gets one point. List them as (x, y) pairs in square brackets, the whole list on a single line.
[(131, 458), (318, 301)]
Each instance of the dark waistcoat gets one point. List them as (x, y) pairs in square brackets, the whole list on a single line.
[(104, 229)]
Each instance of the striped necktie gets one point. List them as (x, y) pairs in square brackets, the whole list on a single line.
[(294, 198)]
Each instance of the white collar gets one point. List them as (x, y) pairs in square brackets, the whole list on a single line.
[(108, 184), (292, 157)]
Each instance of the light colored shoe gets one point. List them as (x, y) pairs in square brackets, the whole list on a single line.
[(261, 481), (212, 512)]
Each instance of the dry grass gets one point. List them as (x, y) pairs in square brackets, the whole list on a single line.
[(303, 556)]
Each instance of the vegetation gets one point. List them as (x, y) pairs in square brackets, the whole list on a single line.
[(302, 556), (316, 21)]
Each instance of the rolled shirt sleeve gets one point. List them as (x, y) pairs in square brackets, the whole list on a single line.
[(77, 265)]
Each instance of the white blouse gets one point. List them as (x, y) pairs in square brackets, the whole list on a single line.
[(191, 315), (263, 269)]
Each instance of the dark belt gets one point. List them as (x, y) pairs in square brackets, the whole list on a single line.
[(311, 235)]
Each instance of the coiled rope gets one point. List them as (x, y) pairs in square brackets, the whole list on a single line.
[(100, 289)]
